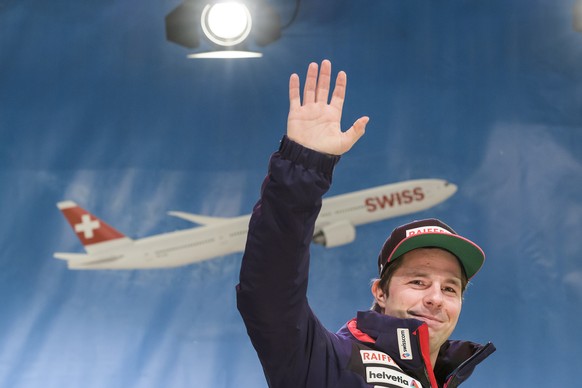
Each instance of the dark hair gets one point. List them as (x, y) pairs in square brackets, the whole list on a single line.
[(384, 280)]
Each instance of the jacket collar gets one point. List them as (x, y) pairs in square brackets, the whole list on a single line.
[(456, 360)]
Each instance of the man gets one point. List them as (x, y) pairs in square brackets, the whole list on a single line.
[(424, 267)]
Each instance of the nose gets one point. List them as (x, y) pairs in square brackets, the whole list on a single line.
[(433, 297)]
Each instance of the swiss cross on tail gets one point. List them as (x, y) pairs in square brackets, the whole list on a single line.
[(90, 229)]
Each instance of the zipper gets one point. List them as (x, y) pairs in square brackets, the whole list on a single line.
[(476, 358), (425, 353)]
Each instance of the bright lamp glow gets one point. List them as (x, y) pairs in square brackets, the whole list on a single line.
[(226, 54), (226, 24), (226, 27)]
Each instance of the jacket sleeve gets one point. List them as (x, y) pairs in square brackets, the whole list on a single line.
[(271, 295)]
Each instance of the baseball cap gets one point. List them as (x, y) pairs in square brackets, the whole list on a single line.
[(431, 233)]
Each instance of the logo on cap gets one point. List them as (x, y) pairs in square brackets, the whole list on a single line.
[(426, 229)]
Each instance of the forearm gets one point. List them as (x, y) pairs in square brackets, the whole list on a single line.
[(273, 278)]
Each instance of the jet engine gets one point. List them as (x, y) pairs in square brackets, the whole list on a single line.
[(336, 234)]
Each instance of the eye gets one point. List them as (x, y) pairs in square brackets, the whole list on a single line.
[(450, 290), (417, 282)]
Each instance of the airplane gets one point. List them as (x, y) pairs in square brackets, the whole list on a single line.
[(107, 248)]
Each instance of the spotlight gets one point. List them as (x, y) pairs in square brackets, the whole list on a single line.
[(226, 24), (223, 29)]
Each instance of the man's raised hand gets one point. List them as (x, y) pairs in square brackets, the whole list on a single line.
[(315, 123)]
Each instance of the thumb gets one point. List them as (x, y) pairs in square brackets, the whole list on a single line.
[(357, 130)]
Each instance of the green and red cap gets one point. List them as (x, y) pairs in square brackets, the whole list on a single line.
[(431, 233)]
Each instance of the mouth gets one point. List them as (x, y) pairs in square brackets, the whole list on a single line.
[(428, 319)]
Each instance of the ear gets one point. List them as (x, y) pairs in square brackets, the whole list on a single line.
[(379, 294)]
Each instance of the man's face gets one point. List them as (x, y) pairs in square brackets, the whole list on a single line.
[(427, 287)]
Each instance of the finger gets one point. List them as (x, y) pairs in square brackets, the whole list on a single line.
[(339, 90), (310, 84), (322, 93), (294, 99), (356, 131)]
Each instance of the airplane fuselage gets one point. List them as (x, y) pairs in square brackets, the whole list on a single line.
[(173, 249)]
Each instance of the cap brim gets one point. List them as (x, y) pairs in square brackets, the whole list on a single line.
[(468, 253)]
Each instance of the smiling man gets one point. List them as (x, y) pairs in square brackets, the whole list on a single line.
[(424, 267)]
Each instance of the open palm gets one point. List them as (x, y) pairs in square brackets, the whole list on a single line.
[(315, 122)]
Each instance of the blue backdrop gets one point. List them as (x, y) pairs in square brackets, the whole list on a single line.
[(96, 107)]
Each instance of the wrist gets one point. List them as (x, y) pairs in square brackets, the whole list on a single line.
[(307, 157)]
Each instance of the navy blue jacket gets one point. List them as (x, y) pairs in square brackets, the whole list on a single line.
[(294, 348)]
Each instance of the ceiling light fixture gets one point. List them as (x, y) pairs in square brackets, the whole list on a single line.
[(223, 29)]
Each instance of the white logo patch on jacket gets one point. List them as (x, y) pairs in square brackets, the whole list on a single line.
[(389, 375)]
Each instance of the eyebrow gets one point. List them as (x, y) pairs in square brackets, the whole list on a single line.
[(413, 272)]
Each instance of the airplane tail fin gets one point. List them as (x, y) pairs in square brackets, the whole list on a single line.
[(94, 233)]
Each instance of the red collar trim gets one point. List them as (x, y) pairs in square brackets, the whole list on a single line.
[(425, 351), (360, 335), (423, 336)]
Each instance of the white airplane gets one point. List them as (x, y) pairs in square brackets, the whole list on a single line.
[(107, 248)]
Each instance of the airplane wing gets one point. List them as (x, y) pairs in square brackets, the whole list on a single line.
[(199, 219)]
